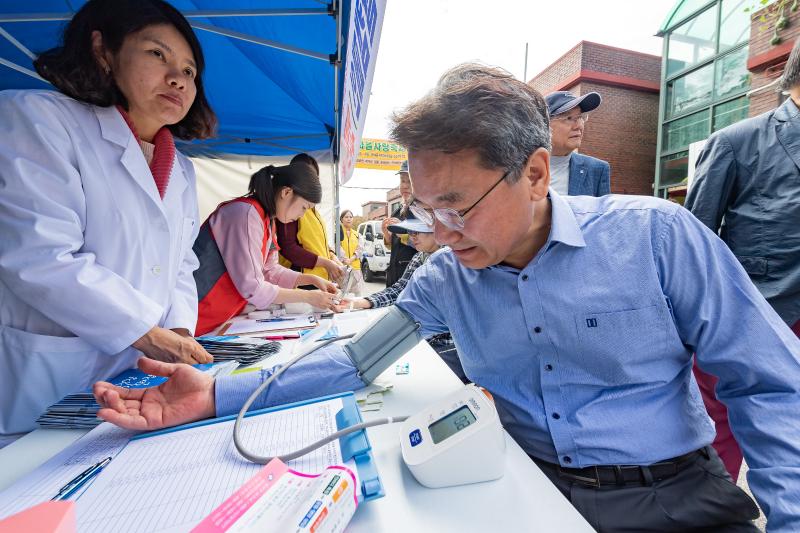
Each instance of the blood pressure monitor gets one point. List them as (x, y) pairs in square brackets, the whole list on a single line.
[(455, 441)]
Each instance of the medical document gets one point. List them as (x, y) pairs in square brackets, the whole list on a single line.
[(106, 440), (171, 481)]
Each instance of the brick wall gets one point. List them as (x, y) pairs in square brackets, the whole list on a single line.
[(565, 67), (766, 60), (623, 130)]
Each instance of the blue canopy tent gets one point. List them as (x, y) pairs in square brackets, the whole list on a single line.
[(273, 76)]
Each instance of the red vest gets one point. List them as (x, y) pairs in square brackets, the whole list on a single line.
[(217, 295)]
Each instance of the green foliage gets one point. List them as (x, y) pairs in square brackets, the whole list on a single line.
[(776, 18)]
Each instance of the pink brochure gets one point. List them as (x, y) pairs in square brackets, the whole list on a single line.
[(47, 517), (279, 499)]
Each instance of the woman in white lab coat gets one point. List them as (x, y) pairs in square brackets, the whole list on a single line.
[(98, 211)]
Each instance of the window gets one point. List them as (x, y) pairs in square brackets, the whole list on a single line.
[(682, 132), (730, 112), (690, 91), (732, 75), (692, 42), (674, 169), (734, 23)]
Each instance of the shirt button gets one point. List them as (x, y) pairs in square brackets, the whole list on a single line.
[(537, 329), (548, 367), (524, 277), (556, 416), (567, 459), (156, 270)]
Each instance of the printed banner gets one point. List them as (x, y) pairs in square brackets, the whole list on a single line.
[(366, 18), (380, 154)]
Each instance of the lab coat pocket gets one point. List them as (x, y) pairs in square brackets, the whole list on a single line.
[(38, 371), (622, 345)]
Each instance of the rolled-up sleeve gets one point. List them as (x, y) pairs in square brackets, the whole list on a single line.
[(326, 371)]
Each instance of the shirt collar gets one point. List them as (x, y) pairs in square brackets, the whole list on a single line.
[(564, 228)]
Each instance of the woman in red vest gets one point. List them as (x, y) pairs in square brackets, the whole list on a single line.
[(238, 251)]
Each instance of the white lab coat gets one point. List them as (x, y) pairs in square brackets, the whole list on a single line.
[(91, 257)]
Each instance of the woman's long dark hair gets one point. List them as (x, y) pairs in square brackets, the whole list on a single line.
[(73, 68), (266, 184)]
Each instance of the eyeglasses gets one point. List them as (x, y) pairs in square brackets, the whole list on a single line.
[(450, 217), (583, 118)]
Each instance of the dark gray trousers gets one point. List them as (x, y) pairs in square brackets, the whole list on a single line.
[(699, 498)]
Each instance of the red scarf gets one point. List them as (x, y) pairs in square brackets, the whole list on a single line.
[(163, 154)]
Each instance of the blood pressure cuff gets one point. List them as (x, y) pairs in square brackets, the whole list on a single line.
[(386, 340)]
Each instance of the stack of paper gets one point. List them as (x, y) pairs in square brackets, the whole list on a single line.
[(245, 351), (79, 410)]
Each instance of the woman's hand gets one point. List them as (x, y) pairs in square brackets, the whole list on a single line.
[(320, 299), (172, 346), (187, 395), (322, 284), (335, 269)]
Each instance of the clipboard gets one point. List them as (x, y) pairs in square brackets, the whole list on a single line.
[(354, 446)]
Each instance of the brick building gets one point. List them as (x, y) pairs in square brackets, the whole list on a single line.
[(373, 210), (766, 61), (720, 67), (623, 130)]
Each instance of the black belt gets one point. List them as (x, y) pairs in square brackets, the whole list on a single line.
[(621, 475)]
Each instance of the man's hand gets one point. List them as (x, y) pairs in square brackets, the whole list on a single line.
[(348, 304), (387, 235), (172, 346), (187, 396)]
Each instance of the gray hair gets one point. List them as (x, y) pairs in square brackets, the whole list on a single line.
[(477, 107), (791, 73)]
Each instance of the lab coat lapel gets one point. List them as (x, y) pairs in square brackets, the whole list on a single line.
[(115, 130)]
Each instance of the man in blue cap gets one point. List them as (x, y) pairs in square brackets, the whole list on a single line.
[(570, 172), (402, 251)]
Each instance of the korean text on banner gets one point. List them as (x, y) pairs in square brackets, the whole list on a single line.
[(380, 154), (366, 18)]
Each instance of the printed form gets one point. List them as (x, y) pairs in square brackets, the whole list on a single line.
[(170, 482)]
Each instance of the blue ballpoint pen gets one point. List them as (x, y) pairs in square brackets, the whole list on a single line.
[(79, 480), (272, 319)]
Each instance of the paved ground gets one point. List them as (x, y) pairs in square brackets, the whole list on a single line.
[(378, 285)]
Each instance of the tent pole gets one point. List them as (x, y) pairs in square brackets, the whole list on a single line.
[(336, 111), (23, 70)]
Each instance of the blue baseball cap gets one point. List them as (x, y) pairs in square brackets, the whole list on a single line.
[(562, 101), (403, 167)]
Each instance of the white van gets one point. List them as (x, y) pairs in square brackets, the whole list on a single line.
[(374, 252)]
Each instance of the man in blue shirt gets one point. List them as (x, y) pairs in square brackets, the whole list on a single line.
[(580, 315)]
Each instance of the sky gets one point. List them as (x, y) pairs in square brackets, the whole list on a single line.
[(421, 39)]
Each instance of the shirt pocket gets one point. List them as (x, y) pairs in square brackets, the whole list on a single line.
[(622, 347), (753, 265)]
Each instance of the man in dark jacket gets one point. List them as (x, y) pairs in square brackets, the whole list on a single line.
[(573, 173), (747, 188), (402, 251)]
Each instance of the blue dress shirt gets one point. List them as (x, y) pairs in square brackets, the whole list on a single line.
[(588, 349)]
